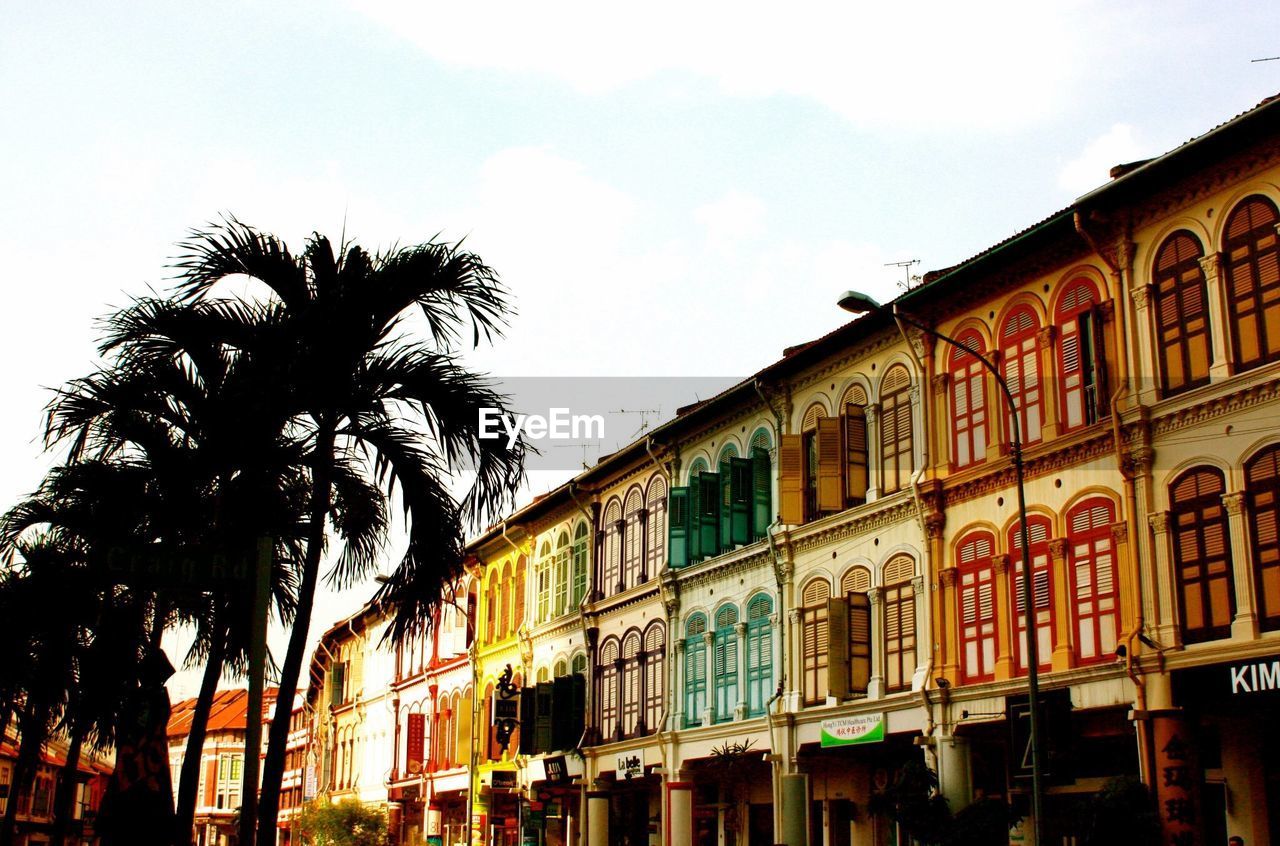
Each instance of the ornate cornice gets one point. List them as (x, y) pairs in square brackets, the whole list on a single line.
[(714, 569), (862, 519), (1187, 192), (1219, 405), (1045, 459)]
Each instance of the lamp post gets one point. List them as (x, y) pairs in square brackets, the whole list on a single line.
[(859, 303)]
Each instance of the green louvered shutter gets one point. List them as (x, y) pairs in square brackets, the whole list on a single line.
[(338, 680), (761, 493), (561, 708), (528, 724), (740, 499), (726, 505), (678, 513), (543, 732), (708, 514), (578, 711)]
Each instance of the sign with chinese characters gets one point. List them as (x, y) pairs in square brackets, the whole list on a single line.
[(630, 765), (506, 708), (1177, 776), (850, 731)]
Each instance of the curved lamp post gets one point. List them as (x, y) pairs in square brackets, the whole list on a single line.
[(859, 303)]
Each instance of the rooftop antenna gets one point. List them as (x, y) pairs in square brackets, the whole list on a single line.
[(906, 269), (644, 417)]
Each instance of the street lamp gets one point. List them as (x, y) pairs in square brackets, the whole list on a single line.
[(859, 303)]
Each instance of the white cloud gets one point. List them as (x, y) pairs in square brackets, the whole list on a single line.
[(1091, 168), (732, 219), (933, 63)]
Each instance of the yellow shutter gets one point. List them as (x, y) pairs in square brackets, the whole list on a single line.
[(830, 470), (838, 648), (855, 431), (791, 479)]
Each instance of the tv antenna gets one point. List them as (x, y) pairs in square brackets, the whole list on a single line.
[(644, 417), (906, 268)]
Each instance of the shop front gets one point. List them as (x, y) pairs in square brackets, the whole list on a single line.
[(552, 816)]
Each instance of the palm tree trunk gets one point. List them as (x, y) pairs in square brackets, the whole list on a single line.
[(65, 798), (32, 724), (278, 737), (189, 778)]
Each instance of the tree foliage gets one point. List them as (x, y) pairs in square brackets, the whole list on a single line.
[(346, 823)]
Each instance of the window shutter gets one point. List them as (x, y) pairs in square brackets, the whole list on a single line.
[(211, 780), (855, 437), (357, 671), (561, 704), (528, 721), (741, 473), (761, 493), (830, 461), (678, 528), (337, 680), (859, 642), (542, 741), (791, 478), (708, 514), (726, 504), (417, 731), (838, 644)]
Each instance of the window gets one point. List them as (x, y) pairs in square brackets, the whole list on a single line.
[(579, 664), (716, 512), (655, 532), (632, 537), (579, 564), (561, 668), (560, 575), (1081, 355), (809, 429), (814, 640), (611, 530), (630, 693), (461, 746), (978, 619), (517, 601), (899, 624), (854, 408), (761, 484), (726, 663), (895, 430), (1021, 362), (759, 654), (607, 690), (1202, 555), (655, 686), (1252, 266), (1262, 475), (695, 670), (1181, 314), (505, 598), (968, 403), (491, 608), (1092, 565), (856, 587), (1038, 529)]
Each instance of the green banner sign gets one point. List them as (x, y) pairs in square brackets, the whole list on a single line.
[(850, 731)]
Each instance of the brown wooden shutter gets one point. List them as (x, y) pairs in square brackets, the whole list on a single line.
[(830, 461), (838, 647), (859, 642), (855, 438), (791, 479)]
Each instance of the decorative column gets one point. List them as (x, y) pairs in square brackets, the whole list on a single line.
[(1169, 632), (740, 710), (775, 655), (1147, 375), (875, 686), (949, 625), (1063, 657), (794, 694), (1126, 573), (1245, 623), (998, 414), (598, 818), (708, 714), (1045, 337), (1220, 356), (924, 626), (677, 706), (679, 813), (919, 430), (941, 424), (955, 776), (872, 413), (1006, 617)]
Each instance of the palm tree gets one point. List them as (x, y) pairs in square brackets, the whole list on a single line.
[(378, 406)]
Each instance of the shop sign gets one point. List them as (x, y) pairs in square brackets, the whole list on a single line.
[(1257, 677), (631, 765), (556, 768), (850, 731), (503, 780)]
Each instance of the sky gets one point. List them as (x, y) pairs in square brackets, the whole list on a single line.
[(667, 188)]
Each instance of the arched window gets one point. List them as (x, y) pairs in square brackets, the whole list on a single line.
[(968, 403), (1202, 554), (856, 589), (1042, 590), (655, 687), (1252, 266), (809, 433), (543, 675), (630, 683), (543, 582), (856, 459), (491, 609), (895, 430), (1081, 357), (505, 629), (632, 537), (561, 668), (977, 595), (697, 467), (610, 581), (1181, 314), (899, 623), (579, 664), (1092, 565), (607, 691), (560, 578), (814, 640), (695, 670), (1262, 475), (655, 528), (759, 654), (726, 663), (762, 483), (1020, 360), (580, 545)]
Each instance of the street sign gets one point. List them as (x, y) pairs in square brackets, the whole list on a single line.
[(178, 566)]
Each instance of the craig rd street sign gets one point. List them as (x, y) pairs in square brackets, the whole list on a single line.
[(162, 565)]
